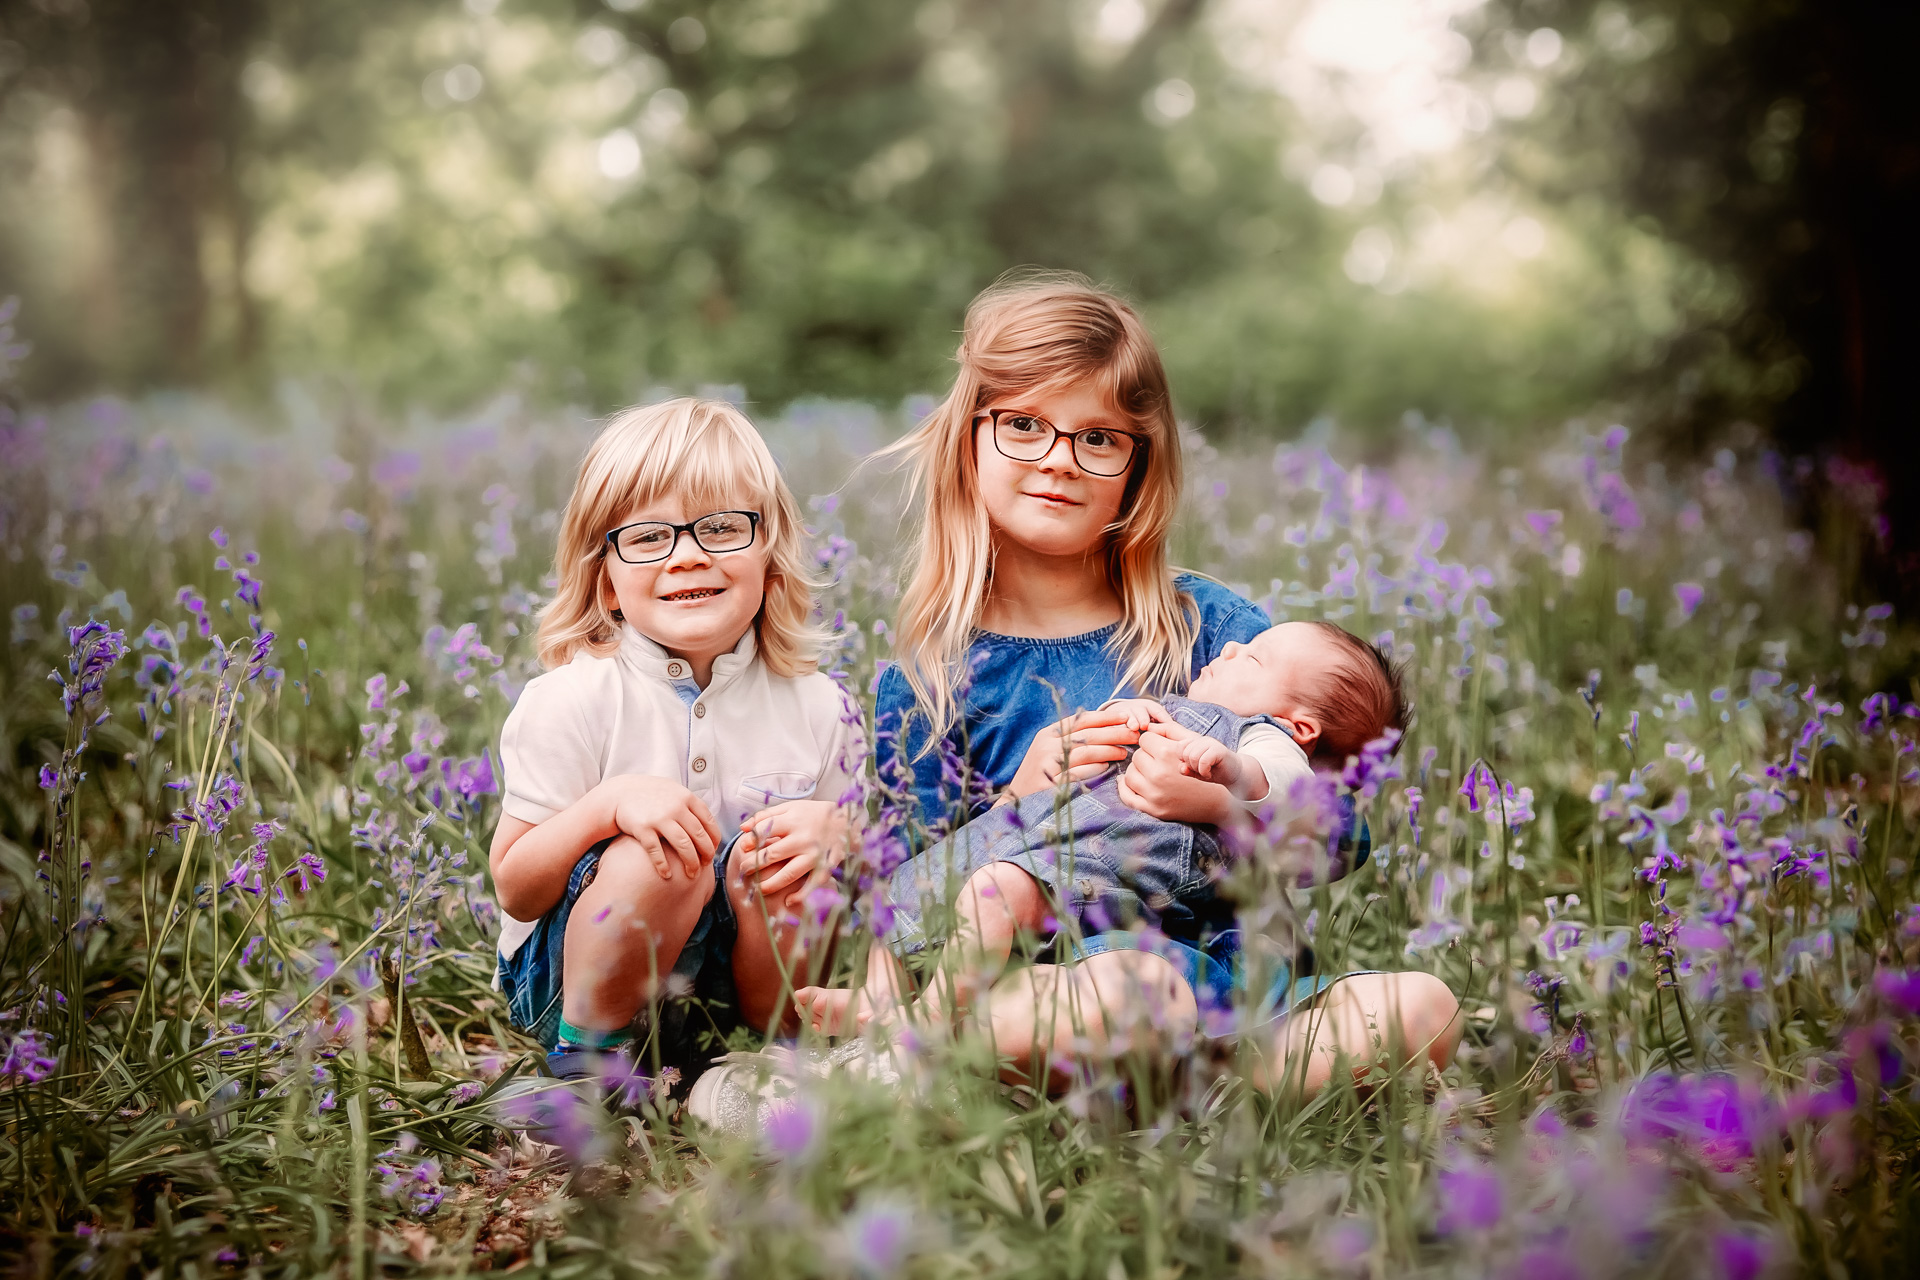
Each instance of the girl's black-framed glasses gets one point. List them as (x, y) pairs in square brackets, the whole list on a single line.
[(650, 541), (1098, 451)]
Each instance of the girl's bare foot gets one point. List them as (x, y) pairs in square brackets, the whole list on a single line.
[(825, 1009), (837, 1011)]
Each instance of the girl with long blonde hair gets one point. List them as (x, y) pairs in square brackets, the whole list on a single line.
[(1041, 588), (679, 775), (1041, 599)]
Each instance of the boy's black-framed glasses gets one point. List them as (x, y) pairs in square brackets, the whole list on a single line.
[(649, 541), (1098, 451)]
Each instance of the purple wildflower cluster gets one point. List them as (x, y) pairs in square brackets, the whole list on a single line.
[(409, 1179)]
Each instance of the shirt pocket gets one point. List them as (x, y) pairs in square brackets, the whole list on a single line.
[(763, 789)]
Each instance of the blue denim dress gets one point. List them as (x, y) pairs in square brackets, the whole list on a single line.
[(1019, 686)]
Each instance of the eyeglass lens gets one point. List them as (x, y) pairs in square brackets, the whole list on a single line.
[(1097, 450), (721, 531)]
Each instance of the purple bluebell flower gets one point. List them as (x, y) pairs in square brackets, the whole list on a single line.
[(1741, 1255), (27, 1057), (1901, 988), (1688, 596), (790, 1130), (378, 693), (1479, 787), (878, 1236), (1470, 1199), (1367, 772)]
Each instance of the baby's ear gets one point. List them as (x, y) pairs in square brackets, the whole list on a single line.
[(1306, 732)]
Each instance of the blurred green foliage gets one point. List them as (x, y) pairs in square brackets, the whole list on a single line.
[(798, 197)]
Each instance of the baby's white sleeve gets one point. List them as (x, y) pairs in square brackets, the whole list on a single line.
[(845, 764), (547, 752), (1279, 757)]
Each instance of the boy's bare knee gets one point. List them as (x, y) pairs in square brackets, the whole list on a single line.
[(625, 867), (1429, 1015)]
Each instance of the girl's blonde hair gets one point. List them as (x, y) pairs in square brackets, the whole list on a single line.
[(1039, 334), (708, 454)]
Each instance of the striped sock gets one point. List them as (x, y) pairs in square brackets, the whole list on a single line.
[(572, 1037)]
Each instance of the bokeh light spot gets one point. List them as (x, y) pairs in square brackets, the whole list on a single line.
[(619, 155)]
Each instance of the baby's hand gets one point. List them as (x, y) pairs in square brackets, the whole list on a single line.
[(1210, 761), (1139, 712)]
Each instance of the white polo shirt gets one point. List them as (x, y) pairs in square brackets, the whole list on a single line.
[(749, 739)]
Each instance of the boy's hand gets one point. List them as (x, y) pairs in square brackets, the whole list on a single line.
[(1082, 746), (802, 837), (668, 820)]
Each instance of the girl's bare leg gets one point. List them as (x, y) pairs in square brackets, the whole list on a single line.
[(1367, 1019), (1046, 1020), (624, 935)]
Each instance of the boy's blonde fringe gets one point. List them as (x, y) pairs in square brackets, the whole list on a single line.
[(706, 452), (1032, 333)]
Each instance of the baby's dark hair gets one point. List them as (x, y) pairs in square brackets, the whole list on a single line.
[(1360, 700)]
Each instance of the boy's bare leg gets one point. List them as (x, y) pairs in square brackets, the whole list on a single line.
[(624, 935), (1367, 1019), (1046, 1020), (998, 903), (776, 948)]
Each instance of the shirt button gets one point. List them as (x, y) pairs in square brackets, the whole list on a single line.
[(675, 670), (700, 710), (699, 764)]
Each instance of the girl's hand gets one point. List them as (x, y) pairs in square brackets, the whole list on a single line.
[(668, 820), (1081, 746), (801, 837), (1158, 784)]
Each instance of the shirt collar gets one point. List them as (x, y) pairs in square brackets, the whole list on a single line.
[(645, 658)]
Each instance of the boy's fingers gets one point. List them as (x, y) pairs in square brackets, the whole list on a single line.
[(651, 844), (792, 872), (703, 840), (704, 816), (675, 837)]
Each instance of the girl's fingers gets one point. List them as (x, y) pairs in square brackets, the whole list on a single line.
[(1115, 714), (1119, 735), (1082, 773), (1084, 755)]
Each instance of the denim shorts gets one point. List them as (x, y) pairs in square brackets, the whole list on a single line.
[(686, 1029)]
